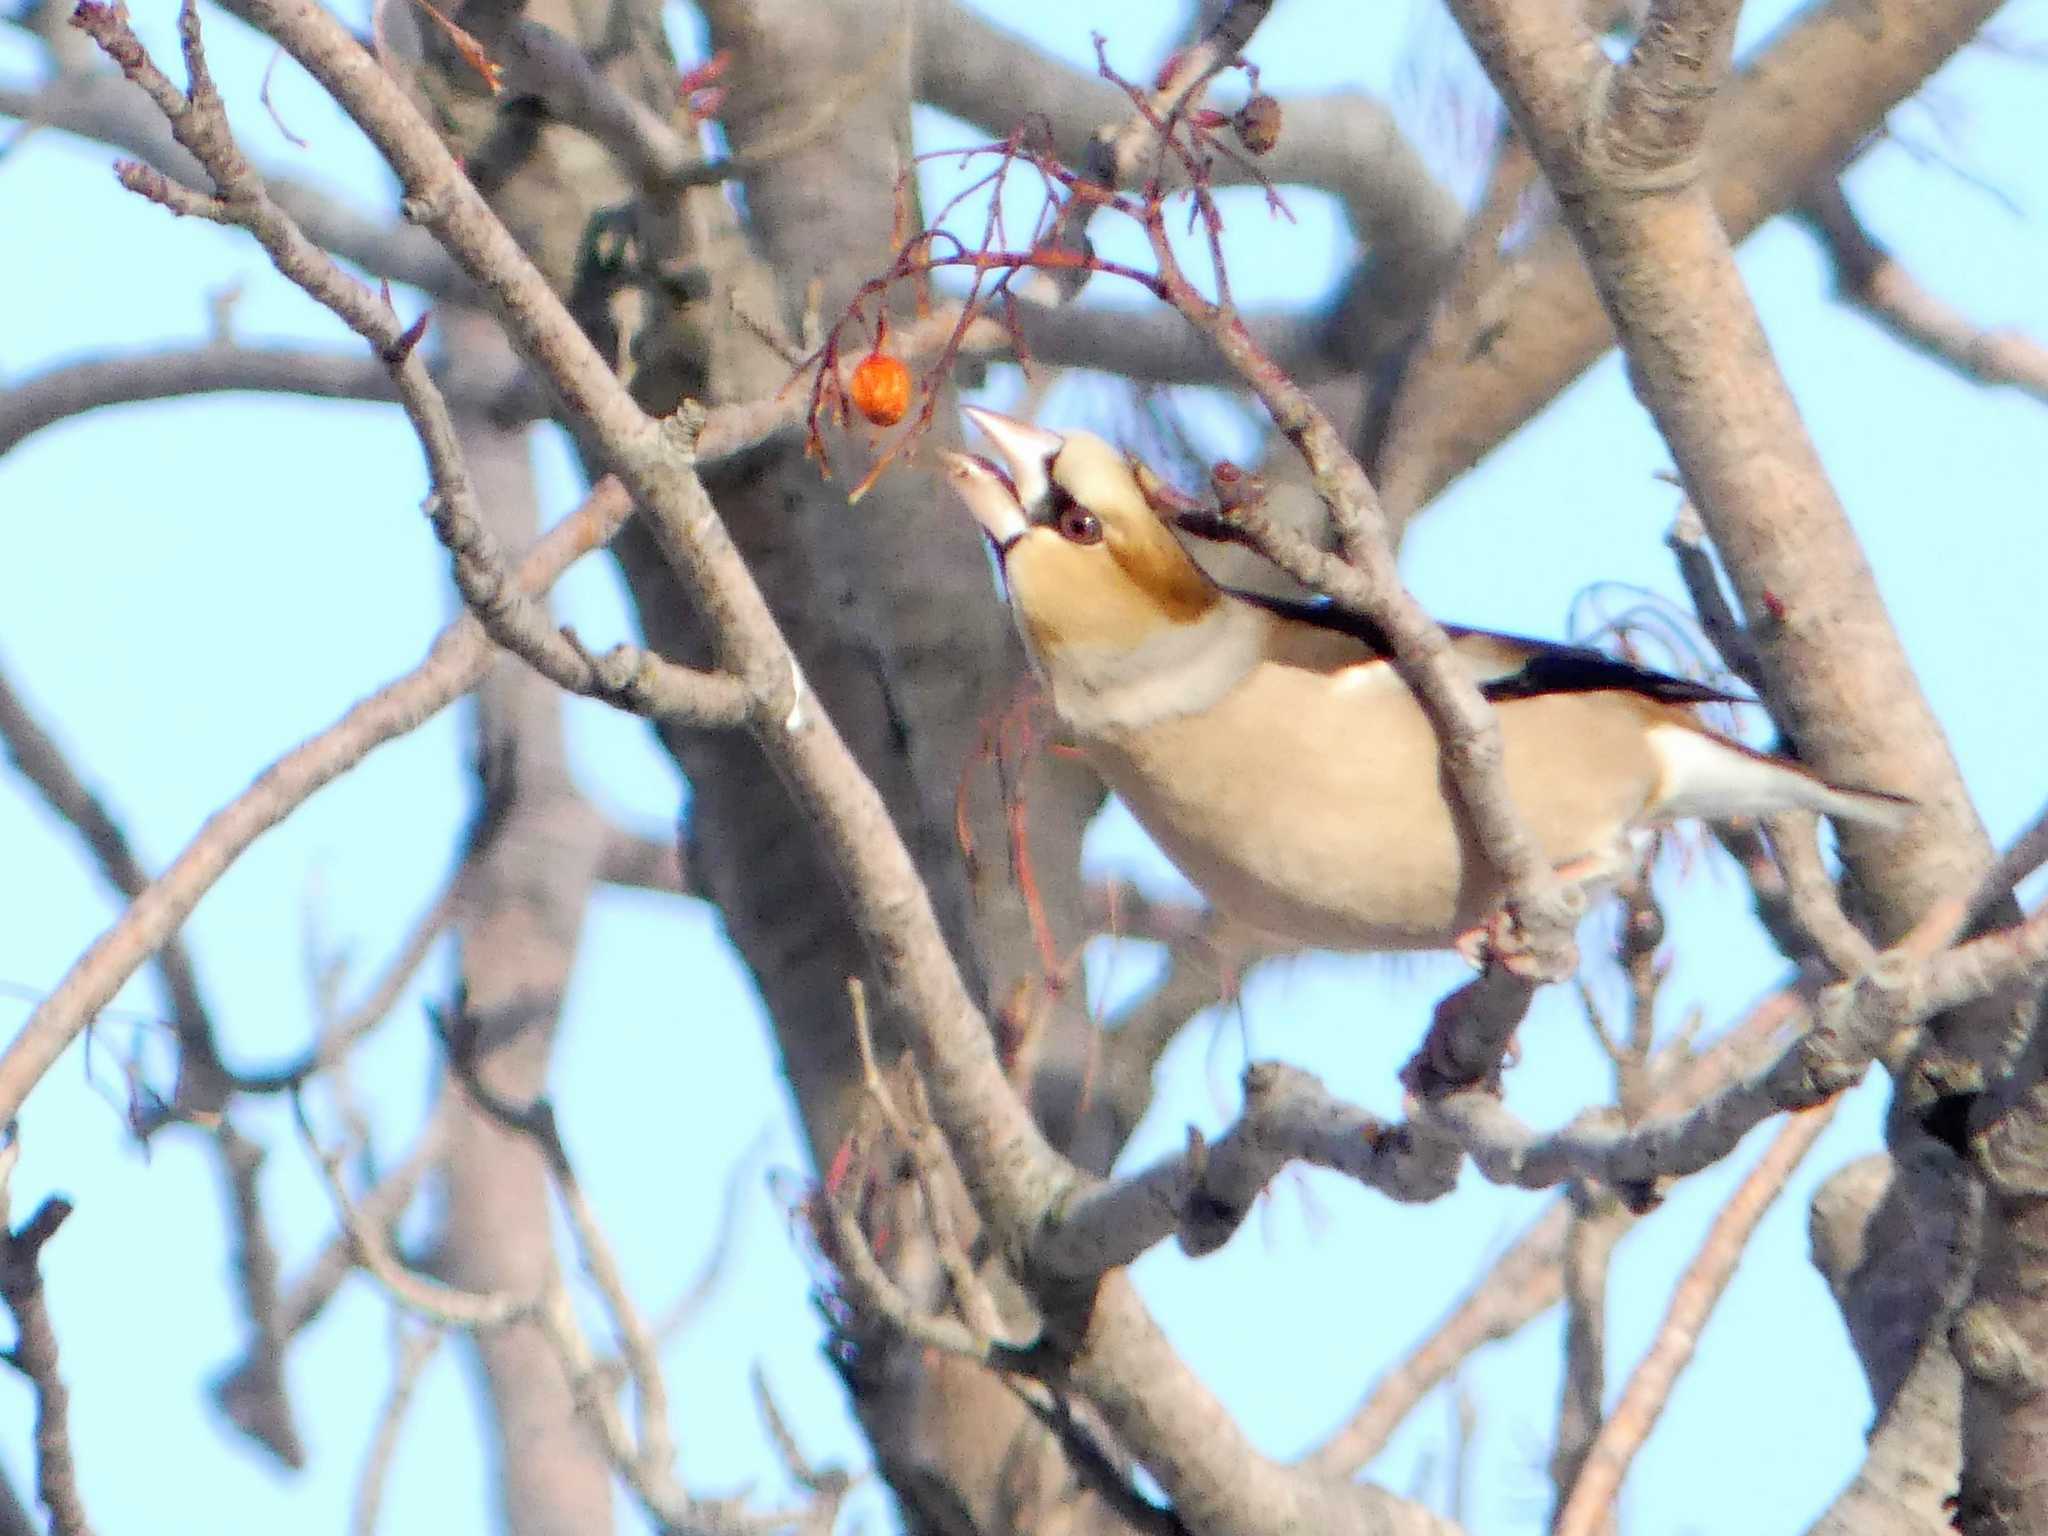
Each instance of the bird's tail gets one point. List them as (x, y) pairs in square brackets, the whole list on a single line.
[(1711, 777)]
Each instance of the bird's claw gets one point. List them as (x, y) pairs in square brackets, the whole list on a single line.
[(1499, 941)]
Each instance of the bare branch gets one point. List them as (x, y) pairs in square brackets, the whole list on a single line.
[(1523, 1284), (1687, 542), (446, 1305), (631, 676), (1658, 101), (251, 1392), (1873, 279), (1119, 148), (1875, 1015), (536, 1121), (202, 1087), (90, 384), (1850, 61), (1344, 143), (1815, 904), (412, 1349), (1204, 1194), (109, 110), (35, 1352), (254, 1398), (1424, 409), (1211, 1474), (455, 664), (1649, 1387), (645, 863), (1597, 1224), (1526, 1280)]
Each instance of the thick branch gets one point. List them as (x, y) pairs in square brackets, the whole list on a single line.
[(1845, 62), (1215, 1479), (1204, 1194)]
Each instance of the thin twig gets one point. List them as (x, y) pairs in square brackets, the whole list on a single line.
[(412, 1349), (1874, 280), (1649, 1387), (455, 664), (34, 1353), (202, 1087)]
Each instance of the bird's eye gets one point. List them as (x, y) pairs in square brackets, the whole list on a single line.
[(1077, 525)]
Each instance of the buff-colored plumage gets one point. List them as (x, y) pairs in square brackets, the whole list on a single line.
[(1277, 757)]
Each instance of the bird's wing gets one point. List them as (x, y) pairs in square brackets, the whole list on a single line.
[(1319, 636)]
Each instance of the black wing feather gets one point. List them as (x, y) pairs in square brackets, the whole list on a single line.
[(1552, 668), (1321, 613), (1575, 669)]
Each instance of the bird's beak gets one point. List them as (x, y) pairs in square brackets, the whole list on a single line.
[(999, 495), (1027, 452), (986, 491)]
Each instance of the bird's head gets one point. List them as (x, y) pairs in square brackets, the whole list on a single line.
[(1088, 563)]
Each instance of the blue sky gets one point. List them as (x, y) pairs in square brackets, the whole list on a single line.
[(190, 589)]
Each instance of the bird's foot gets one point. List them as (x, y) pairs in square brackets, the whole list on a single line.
[(1500, 941)]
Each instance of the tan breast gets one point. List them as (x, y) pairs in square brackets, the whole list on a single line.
[(1312, 804)]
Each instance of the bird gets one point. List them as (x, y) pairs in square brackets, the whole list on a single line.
[(1271, 749)]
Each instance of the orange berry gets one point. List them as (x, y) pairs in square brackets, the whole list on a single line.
[(881, 389)]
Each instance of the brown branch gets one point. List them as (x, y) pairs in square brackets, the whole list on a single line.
[(629, 676), (34, 1353), (1205, 1193), (655, 1449), (254, 1398), (1156, 346), (1871, 278), (537, 61), (202, 1086), (1526, 1280), (1597, 1223), (644, 863), (1214, 1478), (1649, 1386), (411, 1351), (455, 664), (1424, 402), (1118, 149), (991, 1130), (1810, 894), (1687, 542), (340, 1033), (251, 1392), (1877, 1014), (1345, 143), (110, 111), (1850, 61), (1657, 101), (446, 1305), (89, 384), (1523, 1284), (1834, 668)]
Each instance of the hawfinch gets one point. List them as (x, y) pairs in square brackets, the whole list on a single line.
[(1273, 752)]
